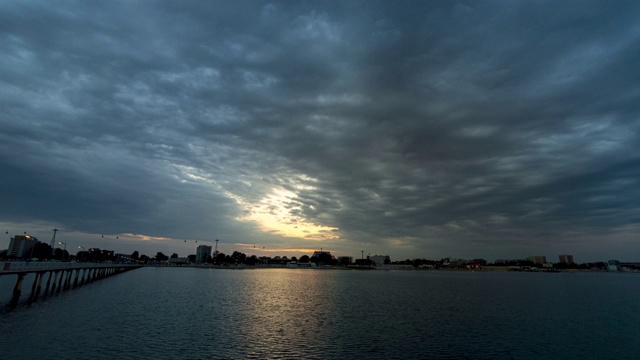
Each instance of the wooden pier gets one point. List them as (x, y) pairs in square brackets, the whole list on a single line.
[(61, 275)]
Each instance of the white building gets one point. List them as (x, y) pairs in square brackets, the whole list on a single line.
[(21, 245), (379, 260), (202, 253)]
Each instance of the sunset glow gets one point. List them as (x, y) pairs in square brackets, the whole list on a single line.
[(274, 214)]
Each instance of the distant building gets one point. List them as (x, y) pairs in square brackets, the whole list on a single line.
[(320, 253), (395, 267), (613, 265), (567, 259), (379, 260), (179, 261), (295, 264), (20, 246), (630, 265), (538, 259), (510, 262), (345, 260), (455, 263), (123, 258), (275, 262), (477, 263), (203, 252), (363, 262)]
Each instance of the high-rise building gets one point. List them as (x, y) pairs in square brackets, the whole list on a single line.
[(20, 246), (567, 259), (202, 253)]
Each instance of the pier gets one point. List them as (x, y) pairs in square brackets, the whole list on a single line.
[(60, 275)]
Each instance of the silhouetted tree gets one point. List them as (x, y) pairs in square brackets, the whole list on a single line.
[(135, 255), (161, 257), (82, 256), (220, 258), (174, 256), (42, 251), (304, 258), (238, 257), (252, 260)]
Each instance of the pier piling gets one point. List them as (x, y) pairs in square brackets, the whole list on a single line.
[(17, 289)]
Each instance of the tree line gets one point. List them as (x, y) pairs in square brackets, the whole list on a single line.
[(240, 258)]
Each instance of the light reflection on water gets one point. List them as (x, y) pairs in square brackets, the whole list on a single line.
[(164, 313)]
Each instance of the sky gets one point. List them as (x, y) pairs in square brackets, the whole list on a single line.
[(414, 129)]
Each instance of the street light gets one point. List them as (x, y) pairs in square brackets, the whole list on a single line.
[(81, 247), (64, 249)]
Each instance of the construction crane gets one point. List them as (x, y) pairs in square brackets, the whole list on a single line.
[(53, 241)]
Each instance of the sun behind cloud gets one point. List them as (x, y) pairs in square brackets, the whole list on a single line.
[(274, 213)]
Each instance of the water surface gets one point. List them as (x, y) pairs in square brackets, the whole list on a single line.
[(167, 313)]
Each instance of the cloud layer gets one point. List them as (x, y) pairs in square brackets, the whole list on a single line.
[(417, 129)]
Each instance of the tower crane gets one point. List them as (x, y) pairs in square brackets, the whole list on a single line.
[(53, 240)]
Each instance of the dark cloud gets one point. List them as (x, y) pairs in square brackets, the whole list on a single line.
[(409, 128)]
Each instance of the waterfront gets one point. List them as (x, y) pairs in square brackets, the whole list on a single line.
[(300, 313)]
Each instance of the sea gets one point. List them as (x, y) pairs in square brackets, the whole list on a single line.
[(197, 313)]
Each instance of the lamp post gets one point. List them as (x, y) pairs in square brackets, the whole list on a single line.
[(64, 249), (81, 247)]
